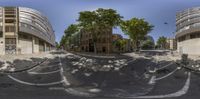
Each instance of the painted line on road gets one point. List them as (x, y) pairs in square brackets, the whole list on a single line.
[(44, 73), (167, 74), (38, 65), (152, 80), (65, 81), (170, 64), (79, 93), (131, 61), (181, 92), (35, 84)]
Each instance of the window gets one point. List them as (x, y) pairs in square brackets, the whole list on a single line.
[(9, 29), (10, 15), (9, 21)]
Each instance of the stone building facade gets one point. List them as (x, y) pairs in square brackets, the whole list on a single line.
[(103, 41)]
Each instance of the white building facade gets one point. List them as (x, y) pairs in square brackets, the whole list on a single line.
[(24, 31), (188, 31)]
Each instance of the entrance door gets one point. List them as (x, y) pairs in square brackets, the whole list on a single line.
[(10, 46)]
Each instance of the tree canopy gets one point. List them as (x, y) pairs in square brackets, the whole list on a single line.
[(136, 29), (162, 41), (73, 28), (98, 21)]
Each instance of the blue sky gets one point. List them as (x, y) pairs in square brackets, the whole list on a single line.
[(62, 13)]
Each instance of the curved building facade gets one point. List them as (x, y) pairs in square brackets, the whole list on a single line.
[(24, 31), (188, 31)]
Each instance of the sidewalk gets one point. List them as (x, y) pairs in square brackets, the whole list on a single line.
[(14, 63)]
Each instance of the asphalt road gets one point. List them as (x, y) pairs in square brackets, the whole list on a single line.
[(83, 77)]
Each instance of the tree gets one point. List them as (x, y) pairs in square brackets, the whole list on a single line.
[(98, 21), (148, 44), (57, 45), (71, 29), (63, 42), (136, 29), (162, 41), (120, 44)]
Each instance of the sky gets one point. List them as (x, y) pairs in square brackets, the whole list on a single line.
[(62, 13)]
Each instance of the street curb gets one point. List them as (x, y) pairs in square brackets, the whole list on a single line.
[(22, 70)]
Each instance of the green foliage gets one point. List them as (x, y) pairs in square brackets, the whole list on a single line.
[(148, 45), (162, 41), (57, 45), (100, 17), (98, 21), (120, 44), (73, 28), (66, 39), (63, 41), (136, 29)]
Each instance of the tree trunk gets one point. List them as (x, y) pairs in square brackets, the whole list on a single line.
[(136, 45), (95, 48)]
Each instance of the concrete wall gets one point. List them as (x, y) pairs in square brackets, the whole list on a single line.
[(2, 46), (25, 46), (191, 46), (35, 45)]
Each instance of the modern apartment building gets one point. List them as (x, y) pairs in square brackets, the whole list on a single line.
[(188, 31), (24, 31), (103, 41)]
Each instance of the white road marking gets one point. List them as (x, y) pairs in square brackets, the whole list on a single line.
[(94, 90), (167, 75), (181, 92), (35, 84), (43, 73), (65, 81), (37, 66), (152, 80), (78, 93), (170, 64)]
